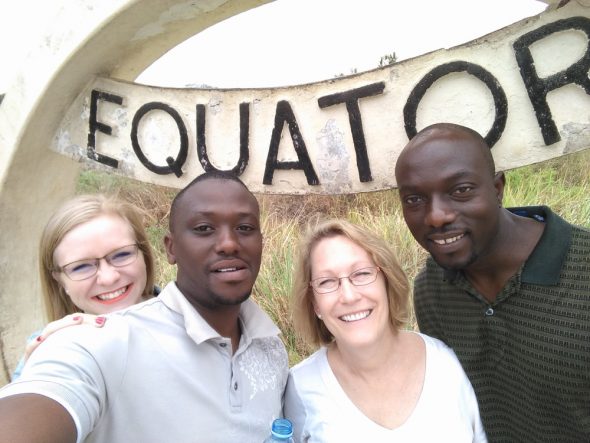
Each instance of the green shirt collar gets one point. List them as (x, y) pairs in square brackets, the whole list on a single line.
[(543, 266)]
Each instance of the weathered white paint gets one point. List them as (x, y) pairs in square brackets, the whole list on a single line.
[(458, 97)]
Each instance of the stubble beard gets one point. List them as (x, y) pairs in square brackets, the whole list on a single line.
[(456, 267), (217, 300)]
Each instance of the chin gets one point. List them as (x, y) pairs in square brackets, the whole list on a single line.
[(455, 265), (229, 300)]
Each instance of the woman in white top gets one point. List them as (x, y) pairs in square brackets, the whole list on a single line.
[(371, 380)]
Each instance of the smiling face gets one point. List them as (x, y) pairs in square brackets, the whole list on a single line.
[(216, 243), (450, 196), (111, 288), (355, 315)]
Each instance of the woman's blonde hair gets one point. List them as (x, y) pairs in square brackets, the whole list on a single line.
[(74, 212), (306, 322)]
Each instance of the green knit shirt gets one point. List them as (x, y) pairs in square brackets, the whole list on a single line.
[(527, 354)]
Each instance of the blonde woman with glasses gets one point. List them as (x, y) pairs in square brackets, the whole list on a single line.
[(371, 379), (95, 258)]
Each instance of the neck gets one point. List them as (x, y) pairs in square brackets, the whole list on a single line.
[(515, 241), (363, 360), (224, 320)]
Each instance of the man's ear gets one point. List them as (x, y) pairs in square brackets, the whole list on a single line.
[(169, 244), (499, 183)]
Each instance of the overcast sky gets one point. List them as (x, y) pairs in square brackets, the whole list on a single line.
[(292, 41)]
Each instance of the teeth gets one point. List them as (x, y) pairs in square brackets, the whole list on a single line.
[(227, 270), (355, 317), (447, 241), (112, 295)]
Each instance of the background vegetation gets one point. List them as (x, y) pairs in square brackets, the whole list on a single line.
[(563, 184)]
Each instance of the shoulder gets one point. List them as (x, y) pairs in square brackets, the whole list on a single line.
[(86, 339), (444, 373), (150, 314), (436, 346), (440, 354), (310, 365), (308, 381), (581, 236), (430, 272), (145, 308), (307, 374), (305, 388), (256, 321), (430, 278)]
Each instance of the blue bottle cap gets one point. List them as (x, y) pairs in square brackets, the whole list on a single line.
[(282, 428)]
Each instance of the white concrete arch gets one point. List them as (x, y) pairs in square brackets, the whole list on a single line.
[(112, 38)]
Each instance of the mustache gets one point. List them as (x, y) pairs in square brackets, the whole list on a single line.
[(445, 229)]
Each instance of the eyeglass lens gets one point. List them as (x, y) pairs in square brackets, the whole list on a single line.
[(83, 269), (359, 277)]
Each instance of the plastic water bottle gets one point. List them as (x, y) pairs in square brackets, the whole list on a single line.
[(282, 430)]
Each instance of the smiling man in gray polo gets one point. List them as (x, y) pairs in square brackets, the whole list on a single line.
[(200, 362)]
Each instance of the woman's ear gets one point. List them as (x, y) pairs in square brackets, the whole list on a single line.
[(315, 308), (57, 277)]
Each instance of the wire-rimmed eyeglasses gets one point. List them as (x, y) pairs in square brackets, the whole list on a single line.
[(360, 277), (83, 269)]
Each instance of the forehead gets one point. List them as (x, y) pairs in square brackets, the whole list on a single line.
[(217, 198), (337, 249), (95, 238), (442, 156), (106, 225)]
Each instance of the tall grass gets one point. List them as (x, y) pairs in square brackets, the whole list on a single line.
[(563, 184)]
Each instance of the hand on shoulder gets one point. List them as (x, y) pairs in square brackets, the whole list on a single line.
[(67, 321)]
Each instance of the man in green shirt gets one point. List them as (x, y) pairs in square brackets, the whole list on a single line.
[(507, 288)]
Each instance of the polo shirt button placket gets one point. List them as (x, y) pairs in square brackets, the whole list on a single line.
[(234, 394)]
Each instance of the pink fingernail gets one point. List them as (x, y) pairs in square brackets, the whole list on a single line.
[(39, 339), (76, 317), (99, 320)]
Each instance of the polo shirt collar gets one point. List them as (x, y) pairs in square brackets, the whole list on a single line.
[(255, 322), (543, 267)]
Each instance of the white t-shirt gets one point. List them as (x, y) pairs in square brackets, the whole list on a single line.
[(157, 372), (447, 410)]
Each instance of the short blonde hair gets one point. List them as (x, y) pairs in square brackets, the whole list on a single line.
[(71, 214), (306, 322)]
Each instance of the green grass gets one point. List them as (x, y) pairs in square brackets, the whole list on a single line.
[(563, 184)]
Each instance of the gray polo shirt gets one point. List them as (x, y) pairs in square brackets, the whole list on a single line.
[(157, 372)]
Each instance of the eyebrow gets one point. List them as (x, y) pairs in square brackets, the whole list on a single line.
[(355, 267)]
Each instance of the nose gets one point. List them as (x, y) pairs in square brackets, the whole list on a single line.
[(348, 292), (440, 213), (227, 241), (106, 273)]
